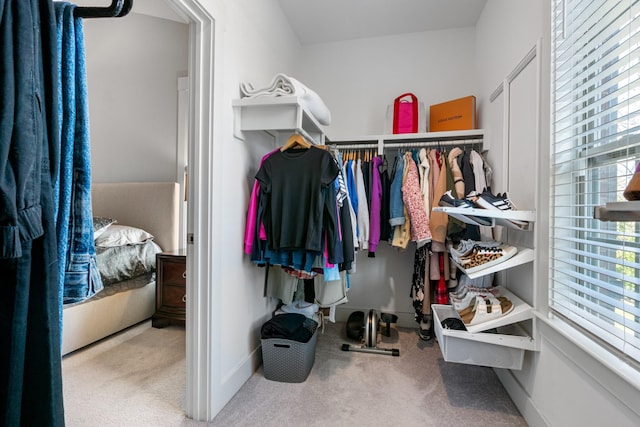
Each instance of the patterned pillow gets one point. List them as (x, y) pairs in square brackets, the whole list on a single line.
[(100, 225), (121, 235)]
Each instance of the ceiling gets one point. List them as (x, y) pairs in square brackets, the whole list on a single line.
[(322, 21)]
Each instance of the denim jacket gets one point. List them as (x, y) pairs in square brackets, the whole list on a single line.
[(26, 111), (396, 203)]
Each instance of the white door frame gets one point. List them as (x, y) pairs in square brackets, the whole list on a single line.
[(203, 372)]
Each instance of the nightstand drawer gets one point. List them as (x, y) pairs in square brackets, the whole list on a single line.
[(174, 272), (171, 281), (174, 296)]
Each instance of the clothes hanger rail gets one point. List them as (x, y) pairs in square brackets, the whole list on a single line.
[(117, 9)]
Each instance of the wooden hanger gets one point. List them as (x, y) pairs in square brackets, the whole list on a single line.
[(296, 140)]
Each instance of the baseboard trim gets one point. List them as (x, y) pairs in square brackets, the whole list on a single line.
[(521, 399)]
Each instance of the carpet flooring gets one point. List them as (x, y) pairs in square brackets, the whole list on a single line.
[(137, 378)]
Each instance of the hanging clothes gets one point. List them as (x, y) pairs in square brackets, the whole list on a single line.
[(345, 218), (376, 205), (482, 174), (385, 211), (402, 233), (252, 212), (424, 170), (458, 178), (30, 359), (295, 183), (396, 206), (439, 220), (363, 207), (78, 272), (413, 201)]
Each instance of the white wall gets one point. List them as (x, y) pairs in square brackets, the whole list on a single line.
[(133, 64), (562, 384), (357, 80), (257, 43)]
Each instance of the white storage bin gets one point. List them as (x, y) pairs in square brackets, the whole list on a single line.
[(502, 350)]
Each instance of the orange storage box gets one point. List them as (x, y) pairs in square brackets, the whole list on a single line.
[(459, 114)]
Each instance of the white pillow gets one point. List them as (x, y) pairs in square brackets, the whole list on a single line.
[(120, 235), (100, 225)]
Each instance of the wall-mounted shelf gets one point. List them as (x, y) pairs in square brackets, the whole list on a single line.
[(276, 115), (521, 311), (503, 349), (498, 217), (523, 256), (618, 211)]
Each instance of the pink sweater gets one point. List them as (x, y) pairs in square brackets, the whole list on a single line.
[(252, 212)]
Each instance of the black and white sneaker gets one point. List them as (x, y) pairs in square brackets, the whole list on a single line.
[(447, 200), (500, 202), (426, 328)]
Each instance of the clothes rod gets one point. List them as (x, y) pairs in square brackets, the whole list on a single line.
[(407, 144), (432, 143), (354, 146), (117, 9)]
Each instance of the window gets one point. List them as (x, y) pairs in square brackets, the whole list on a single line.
[(595, 265)]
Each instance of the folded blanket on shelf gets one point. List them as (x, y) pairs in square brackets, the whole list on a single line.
[(283, 85)]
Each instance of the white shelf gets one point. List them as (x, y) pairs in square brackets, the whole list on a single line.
[(499, 217), (618, 211), (504, 349), (456, 135), (523, 256), (276, 115), (521, 311)]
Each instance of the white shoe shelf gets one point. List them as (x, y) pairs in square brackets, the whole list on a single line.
[(618, 211), (504, 349), (523, 256), (501, 218), (505, 344), (521, 311)]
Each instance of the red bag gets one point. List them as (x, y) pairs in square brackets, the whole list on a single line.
[(405, 114)]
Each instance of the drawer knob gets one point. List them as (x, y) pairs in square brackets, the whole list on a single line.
[(184, 275), (184, 298)]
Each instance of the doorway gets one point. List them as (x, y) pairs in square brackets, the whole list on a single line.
[(201, 402)]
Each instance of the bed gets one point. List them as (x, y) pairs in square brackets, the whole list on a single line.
[(150, 206)]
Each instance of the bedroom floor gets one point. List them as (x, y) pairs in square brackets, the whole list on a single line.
[(137, 378)]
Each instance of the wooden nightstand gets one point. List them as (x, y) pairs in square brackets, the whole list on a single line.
[(171, 281)]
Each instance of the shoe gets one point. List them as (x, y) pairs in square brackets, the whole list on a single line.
[(486, 309), (464, 248), (447, 200), (464, 302), (482, 257), (426, 328), (499, 202)]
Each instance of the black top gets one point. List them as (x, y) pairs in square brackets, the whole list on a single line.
[(295, 181)]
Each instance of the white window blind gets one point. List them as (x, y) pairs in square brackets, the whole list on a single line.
[(595, 265)]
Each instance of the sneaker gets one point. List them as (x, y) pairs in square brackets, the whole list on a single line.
[(426, 327), (482, 257), (463, 248), (500, 202), (447, 200), (466, 247), (426, 331)]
